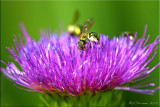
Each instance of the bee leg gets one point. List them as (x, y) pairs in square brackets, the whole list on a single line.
[(98, 44), (84, 48), (90, 44)]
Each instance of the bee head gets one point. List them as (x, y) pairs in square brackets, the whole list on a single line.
[(125, 34), (94, 34)]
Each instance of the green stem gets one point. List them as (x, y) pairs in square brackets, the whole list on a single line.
[(106, 99)]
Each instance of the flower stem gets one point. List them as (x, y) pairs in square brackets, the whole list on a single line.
[(109, 99)]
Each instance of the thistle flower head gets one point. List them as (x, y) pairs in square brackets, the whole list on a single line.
[(55, 64)]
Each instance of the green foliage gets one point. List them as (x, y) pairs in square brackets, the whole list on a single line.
[(103, 99)]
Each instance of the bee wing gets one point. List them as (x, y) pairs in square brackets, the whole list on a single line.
[(76, 17), (87, 25)]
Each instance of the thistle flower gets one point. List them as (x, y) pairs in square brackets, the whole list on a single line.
[(55, 64)]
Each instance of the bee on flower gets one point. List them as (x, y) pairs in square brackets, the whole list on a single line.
[(56, 65), (86, 37)]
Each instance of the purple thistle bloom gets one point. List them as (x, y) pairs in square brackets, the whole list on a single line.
[(55, 64)]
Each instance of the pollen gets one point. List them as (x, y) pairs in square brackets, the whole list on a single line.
[(78, 31)]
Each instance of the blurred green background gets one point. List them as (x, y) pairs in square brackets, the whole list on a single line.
[(112, 18)]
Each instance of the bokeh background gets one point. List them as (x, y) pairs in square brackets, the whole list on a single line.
[(112, 18)]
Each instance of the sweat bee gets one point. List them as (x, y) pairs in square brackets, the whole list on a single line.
[(87, 37), (74, 29), (125, 34)]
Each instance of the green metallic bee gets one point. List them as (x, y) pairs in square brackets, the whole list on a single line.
[(125, 34), (85, 37), (74, 29)]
